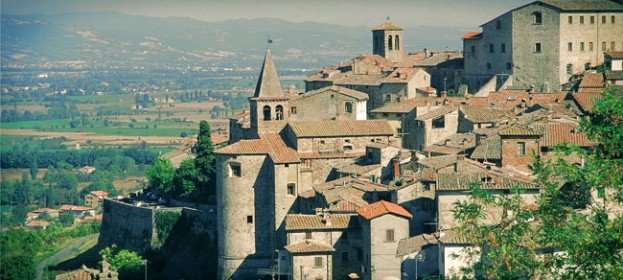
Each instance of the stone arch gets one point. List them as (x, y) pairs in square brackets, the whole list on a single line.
[(279, 112), (266, 113), (389, 43), (397, 45)]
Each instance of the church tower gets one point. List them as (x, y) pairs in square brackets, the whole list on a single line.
[(387, 41), (269, 106)]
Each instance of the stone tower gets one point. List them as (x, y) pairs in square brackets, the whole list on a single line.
[(387, 41), (269, 106)]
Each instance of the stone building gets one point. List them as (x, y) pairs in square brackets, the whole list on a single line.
[(429, 125), (614, 67), (542, 44), (329, 103)]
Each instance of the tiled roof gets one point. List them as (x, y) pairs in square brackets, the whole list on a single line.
[(316, 155), (437, 113), (592, 80), (360, 80), (341, 128), (387, 26), (481, 115), (464, 181), (516, 129), (315, 222), (100, 193), (438, 58), (268, 85), (406, 106), (472, 35), (41, 210), (355, 168), (584, 5), (75, 275), (401, 75), (309, 246), (67, 207), (439, 149), (414, 244), (614, 75), (438, 161), (37, 223), (381, 208), (269, 144), (615, 55), (337, 89), (586, 101), (491, 148), (558, 133)]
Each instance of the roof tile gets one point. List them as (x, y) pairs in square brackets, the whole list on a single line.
[(381, 208)]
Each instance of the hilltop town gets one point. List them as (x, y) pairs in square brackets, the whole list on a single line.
[(363, 173)]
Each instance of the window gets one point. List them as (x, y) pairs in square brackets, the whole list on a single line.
[(590, 46), (317, 262), (266, 112), (508, 66), (249, 219), (612, 19), (522, 148), (388, 97), (570, 19), (612, 46), (308, 235), (397, 45), (473, 50), (389, 43), (291, 189), (439, 122), (345, 256), (603, 19), (389, 235), (537, 47), (603, 46), (348, 107), (279, 112), (569, 69), (582, 46), (488, 66), (498, 25), (503, 48), (293, 110), (570, 46), (359, 254), (592, 19), (491, 48), (581, 19), (234, 169), (537, 17), (347, 148)]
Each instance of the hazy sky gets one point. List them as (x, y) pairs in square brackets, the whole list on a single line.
[(464, 13)]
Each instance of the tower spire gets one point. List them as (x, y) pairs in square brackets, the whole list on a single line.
[(268, 84)]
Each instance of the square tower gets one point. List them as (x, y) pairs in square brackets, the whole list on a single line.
[(387, 41)]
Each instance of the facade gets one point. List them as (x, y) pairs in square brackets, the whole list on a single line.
[(542, 44), (329, 103)]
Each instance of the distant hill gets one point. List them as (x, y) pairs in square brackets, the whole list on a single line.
[(111, 40)]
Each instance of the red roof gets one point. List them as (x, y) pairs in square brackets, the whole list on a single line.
[(37, 223), (592, 80), (269, 144), (586, 100), (100, 193), (67, 207), (472, 35), (565, 133), (381, 208)]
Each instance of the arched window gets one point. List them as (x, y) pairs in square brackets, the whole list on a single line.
[(279, 112), (538, 17), (397, 42), (348, 107), (266, 112), (389, 42)]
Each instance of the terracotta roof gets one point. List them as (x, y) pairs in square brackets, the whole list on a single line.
[(584, 5), (268, 85), (518, 130), (437, 113), (336, 89), (438, 162), (592, 80), (558, 133), (100, 193), (67, 207), (481, 115), (614, 75), (615, 55), (438, 58), (472, 35), (41, 210), (414, 244), (586, 101), (429, 90), (381, 208), (315, 222), (278, 150), (444, 150), (360, 80), (309, 246), (464, 181), (245, 147), (75, 275), (490, 148), (405, 106), (387, 26), (304, 129), (316, 155), (401, 75), (356, 168), (37, 223)]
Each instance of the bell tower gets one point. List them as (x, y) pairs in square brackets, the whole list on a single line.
[(270, 108), (387, 41)]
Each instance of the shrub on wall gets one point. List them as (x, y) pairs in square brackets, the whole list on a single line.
[(165, 220)]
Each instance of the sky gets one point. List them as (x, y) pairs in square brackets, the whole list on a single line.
[(369, 13)]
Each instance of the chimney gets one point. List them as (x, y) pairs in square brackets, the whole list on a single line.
[(326, 217), (444, 94), (396, 168), (425, 52)]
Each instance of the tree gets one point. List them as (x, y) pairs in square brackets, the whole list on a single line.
[(34, 167), (586, 230), (205, 159), (160, 175), (128, 263), (17, 267), (186, 178)]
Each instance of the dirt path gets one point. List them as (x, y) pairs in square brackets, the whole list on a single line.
[(63, 253)]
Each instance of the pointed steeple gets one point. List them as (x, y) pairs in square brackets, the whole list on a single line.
[(268, 84)]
